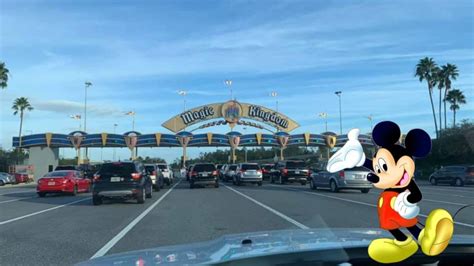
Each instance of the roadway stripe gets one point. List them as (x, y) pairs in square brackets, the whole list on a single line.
[(281, 215), (430, 200), (102, 251), (17, 192), (39, 212), (6, 201), (361, 203)]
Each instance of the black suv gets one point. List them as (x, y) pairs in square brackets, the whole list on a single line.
[(125, 180), (203, 174), (290, 171)]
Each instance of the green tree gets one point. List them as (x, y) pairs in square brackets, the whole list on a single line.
[(455, 97), (426, 70), (449, 72), (4, 73), (21, 105)]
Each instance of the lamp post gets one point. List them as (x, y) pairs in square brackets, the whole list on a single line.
[(324, 116), (245, 148), (338, 93), (274, 94), (87, 84), (228, 83), (115, 130)]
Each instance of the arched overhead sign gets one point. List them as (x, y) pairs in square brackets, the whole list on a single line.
[(232, 112)]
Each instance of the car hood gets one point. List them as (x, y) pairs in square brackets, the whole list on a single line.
[(231, 247)]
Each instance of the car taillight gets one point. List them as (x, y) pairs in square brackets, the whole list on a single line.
[(193, 173), (341, 174), (153, 173), (136, 176), (284, 171), (309, 172), (242, 170), (214, 172), (259, 171), (65, 181), (96, 177)]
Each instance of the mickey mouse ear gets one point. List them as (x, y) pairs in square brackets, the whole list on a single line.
[(386, 133), (418, 143)]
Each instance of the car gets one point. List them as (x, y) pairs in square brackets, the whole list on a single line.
[(63, 181), (221, 171), (266, 170), (248, 173), (65, 167), (290, 171), (219, 168), (21, 178), (122, 180), (455, 175), (6, 178), (203, 174), (156, 176), (167, 174), (229, 172), (354, 178)]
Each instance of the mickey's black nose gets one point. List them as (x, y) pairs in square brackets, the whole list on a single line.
[(372, 178)]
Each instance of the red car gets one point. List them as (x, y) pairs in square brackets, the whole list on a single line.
[(21, 178), (67, 181)]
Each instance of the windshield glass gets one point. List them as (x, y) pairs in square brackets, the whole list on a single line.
[(204, 167), (291, 164), (250, 167), (194, 120), (58, 174)]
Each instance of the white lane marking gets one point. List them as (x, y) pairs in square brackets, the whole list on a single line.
[(298, 224), (6, 201), (430, 200), (102, 251), (362, 203), (17, 192), (39, 212)]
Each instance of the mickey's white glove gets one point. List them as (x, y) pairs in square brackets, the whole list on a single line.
[(406, 209), (350, 155)]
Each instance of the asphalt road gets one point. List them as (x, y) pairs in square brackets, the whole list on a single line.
[(64, 230)]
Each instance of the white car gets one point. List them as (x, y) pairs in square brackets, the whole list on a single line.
[(167, 174), (248, 173)]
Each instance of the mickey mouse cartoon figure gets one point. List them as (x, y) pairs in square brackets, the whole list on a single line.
[(392, 169)]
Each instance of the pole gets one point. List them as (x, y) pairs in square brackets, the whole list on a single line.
[(338, 93), (281, 154), (133, 121), (233, 155), (245, 149), (87, 84), (184, 157), (115, 127)]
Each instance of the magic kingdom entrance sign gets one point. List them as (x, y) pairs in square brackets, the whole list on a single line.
[(231, 112)]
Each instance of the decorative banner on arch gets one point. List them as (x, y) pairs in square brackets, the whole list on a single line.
[(103, 136), (330, 139), (258, 136), (48, 136), (131, 140), (282, 138), (76, 138), (234, 141), (184, 138), (158, 138), (232, 112), (306, 138), (209, 138)]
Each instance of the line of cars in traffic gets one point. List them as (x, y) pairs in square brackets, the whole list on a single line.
[(13, 179), (113, 180)]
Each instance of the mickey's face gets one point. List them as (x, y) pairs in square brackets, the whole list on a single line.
[(392, 174)]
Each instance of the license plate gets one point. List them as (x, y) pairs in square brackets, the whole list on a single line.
[(297, 172), (359, 176), (115, 179), (51, 183), (204, 174)]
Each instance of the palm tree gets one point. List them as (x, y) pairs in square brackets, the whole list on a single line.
[(449, 72), (4, 73), (439, 77), (21, 105), (426, 70), (455, 97)]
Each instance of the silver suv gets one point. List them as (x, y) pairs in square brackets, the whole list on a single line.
[(456, 175), (354, 178), (248, 173)]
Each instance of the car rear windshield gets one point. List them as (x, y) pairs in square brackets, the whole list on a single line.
[(250, 167), (291, 164), (232, 167), (149, 168), (204, 168), (65, 168), (163, 166), (116, 169), (360, 168), (58, 174)]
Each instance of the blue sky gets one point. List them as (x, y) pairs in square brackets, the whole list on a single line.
[(138, 54)]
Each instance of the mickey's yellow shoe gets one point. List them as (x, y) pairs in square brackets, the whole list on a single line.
[(385, 250), (437, 233)]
